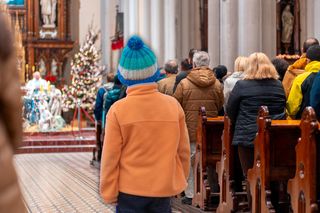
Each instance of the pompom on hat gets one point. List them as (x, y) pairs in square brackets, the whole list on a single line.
[(138, 64)]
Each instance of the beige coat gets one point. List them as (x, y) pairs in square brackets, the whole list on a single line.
[(200, 88), (166, 85), (10, 132)]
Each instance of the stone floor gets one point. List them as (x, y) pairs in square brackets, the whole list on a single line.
[(60, 182)]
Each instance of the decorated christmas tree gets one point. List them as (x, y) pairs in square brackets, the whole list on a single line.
[(86, 76)]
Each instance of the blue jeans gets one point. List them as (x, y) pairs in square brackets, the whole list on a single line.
[(137, 204)]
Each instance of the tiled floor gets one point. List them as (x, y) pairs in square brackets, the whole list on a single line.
[(62, 182)]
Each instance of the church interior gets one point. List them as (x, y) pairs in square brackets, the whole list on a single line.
[(255, 148)]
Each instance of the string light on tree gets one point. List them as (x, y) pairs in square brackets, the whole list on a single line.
[(86, 78)]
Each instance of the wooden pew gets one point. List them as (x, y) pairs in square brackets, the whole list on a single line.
[(303, 187), (230, 197), (208, 153), (274, 162)]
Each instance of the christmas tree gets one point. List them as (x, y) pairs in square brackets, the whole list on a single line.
[(86, 76)]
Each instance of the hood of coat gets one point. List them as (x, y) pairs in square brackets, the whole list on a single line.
[(202, 77), (313, 66)]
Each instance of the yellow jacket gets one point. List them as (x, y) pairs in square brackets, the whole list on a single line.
[(146, 150), (295, 97)]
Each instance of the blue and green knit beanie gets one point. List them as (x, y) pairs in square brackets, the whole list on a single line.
[(138, 64)]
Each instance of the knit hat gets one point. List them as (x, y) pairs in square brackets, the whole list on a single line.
[(138, 64), (313, 53)]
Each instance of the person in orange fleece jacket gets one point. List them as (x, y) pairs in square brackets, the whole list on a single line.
[(146, 154)]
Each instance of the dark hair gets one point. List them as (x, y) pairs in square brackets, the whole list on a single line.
[(281, 66), (191, 53), (220, 71), (6, 40), (116, 80), (171, 67), (185, 66), (313, 53), (110, 77), (309, 43)]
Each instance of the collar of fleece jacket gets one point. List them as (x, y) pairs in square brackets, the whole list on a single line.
[(142, 89), (313, 66)]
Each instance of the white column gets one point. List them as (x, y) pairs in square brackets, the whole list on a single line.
[(134, 17), (214, 32), (185, 28), (169, 30), (126, 19), (229, 33), (144, 20), (108, 21), (250, 26), (316, 19), (157, 29), (310, 17), (269, 31)]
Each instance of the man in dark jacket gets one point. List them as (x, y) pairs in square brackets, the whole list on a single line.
[(186, 66), (98, 112), (299, 97), (315, 94)]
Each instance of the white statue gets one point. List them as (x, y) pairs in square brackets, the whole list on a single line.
[(42, 67), (45, 118), (55, 101), (53, 12), (287, 25), (48, 12), (54, 68)]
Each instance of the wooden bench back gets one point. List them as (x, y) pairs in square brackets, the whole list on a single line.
[(274, 158)]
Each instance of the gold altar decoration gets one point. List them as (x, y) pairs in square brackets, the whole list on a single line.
[(21, 61)]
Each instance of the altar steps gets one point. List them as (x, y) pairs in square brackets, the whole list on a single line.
[(65, 141)]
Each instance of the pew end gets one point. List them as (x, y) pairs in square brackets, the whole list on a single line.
[(208, 152), (303, 187)]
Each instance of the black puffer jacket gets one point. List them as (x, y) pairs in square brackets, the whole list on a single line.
[(244, 102)]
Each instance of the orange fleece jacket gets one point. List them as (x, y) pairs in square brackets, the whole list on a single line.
[(146, 148)]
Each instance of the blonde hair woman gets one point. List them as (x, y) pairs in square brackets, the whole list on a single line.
[(238, 74), (259, 87)]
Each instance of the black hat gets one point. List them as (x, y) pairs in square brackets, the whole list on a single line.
[(313, 53)]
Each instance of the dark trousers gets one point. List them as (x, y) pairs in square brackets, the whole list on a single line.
[(99, 143), (246, 156), (137, 204)]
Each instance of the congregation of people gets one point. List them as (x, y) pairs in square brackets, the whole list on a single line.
[(154, 127)]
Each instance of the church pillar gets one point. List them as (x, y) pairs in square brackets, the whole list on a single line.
[(144, 20), (269, 30), (185, 28), (157, 41), (229, 33), (169, 30), (316, 19), (214, 32), (108, 21), (250, 26), (310, 17), (133, 17)]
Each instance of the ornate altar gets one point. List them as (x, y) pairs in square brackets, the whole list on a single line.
[(45, 32)]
